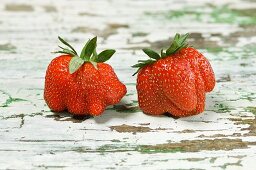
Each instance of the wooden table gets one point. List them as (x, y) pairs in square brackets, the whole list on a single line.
[(33, 137)]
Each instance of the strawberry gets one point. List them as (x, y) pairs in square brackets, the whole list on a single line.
[(174, 82), (82, 85)]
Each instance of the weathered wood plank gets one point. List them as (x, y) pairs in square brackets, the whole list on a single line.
[(33, 137)]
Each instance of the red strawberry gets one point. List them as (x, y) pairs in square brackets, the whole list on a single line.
[(175, 82), (83, 85)]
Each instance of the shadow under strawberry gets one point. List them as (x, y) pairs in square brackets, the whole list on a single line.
[(66, 116)]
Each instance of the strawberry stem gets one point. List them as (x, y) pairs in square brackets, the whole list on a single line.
[(178, 43), (88, 54)]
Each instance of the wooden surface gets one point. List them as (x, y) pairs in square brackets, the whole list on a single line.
[(33, 137)]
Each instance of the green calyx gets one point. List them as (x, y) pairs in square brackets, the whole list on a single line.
[(177, 44), (88, 54)]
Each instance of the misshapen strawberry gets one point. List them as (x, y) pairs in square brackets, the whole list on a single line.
[(82, 85), (174, 82)]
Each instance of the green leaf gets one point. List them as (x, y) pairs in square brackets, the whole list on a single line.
[(137, 65), (178, 43), (66, 51), (67, 44), (94, 52), (151, 53), (84, 48), (173, 48), (183, 38), (88, 49), (71, 53), (94, 55), (61, 47), (136, 72), (176, 37), (142, 61), (104, 55), (75, 63), (141, 64)]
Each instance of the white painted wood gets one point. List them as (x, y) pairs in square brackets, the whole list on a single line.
[(32, 137)]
